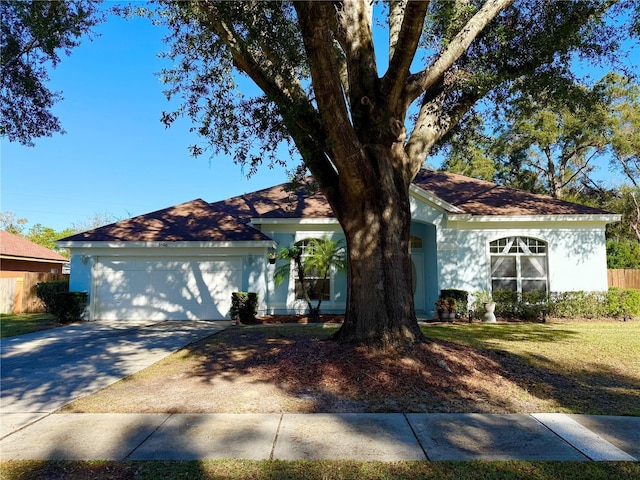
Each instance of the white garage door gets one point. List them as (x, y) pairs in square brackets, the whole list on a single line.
[(163, 289)]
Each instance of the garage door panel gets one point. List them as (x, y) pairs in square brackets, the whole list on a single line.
[(161, 289)]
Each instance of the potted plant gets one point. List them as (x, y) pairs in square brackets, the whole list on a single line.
[(489, 305), (446, 308)]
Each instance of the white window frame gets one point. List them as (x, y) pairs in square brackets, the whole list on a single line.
[(519, 247)]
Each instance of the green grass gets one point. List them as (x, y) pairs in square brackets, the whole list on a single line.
[(325, 470), (19, 324), (570, 346), (584, 367)]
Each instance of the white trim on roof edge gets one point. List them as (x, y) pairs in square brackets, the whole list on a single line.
[(168, 244), (295, 221), (437, 201), (607, 218), (34, 259)]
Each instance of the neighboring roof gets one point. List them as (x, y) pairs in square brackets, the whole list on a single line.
[(228, 220), (19, 248)]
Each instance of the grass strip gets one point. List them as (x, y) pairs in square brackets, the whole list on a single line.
[(22, 323), (323, 469)]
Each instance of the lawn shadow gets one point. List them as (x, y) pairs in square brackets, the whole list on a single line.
[(442, 376)]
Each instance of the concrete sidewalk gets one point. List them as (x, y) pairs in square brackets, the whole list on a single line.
[(383, 437)]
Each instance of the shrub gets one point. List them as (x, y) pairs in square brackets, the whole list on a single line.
[(529, 306), (506, 303), (461, 298), (244, 306), (623, 302), (69, 306), (616, 303), (59, 301), (47, 291), (578, 304)]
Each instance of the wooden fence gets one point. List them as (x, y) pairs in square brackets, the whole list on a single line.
[(7, 294), (23, 289), (624, 278)]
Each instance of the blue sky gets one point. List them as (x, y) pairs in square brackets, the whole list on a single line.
[(117, 159)]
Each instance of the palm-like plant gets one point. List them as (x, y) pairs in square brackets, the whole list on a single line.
[(318, 258)]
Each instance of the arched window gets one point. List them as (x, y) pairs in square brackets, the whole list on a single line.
[(519, 264), (317, 286)]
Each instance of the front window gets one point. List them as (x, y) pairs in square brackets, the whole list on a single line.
[(519, 264), (317, 286)]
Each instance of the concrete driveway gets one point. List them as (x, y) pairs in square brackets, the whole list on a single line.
[(42, 371)]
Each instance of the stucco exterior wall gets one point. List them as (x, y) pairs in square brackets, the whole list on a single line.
[(576, 255), (281, 298)]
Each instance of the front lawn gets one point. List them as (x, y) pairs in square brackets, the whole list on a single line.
[(578, 367), (589, 367), (12, 324)]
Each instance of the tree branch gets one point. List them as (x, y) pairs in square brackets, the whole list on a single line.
[(342, 143), (421, 82), (298, 114), (434, 122), (354, 19), (404, 36)]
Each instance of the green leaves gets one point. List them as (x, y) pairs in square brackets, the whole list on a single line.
[(32, 36)]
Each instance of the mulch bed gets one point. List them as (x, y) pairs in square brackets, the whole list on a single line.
[(302, 319)]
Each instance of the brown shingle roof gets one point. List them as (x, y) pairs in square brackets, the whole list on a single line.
[(228, 220), (478, 197), (191, 221), (16, 246), (276, 202)]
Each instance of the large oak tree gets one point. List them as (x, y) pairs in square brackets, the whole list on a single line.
[(362, 121), (363, 117)]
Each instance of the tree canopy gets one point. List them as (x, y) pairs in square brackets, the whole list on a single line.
[(33, 35), (547, 143)]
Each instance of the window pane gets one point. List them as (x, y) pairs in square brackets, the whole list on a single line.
[(534, 286), (503, 266), (498, 246), (416, 242), (504, 284), (533, 266)]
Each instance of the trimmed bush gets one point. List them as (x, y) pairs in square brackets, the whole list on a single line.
[(506, 303), (69, 306), (623, 302), (460, 296), (244, 306), (59, 301), (615, 303), (578, 304), (47, 291)]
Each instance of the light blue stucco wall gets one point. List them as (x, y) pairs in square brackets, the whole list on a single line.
[(80, 278), (280, 299), (576, 255)]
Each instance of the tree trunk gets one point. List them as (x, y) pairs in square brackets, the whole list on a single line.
[(380, 309)]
